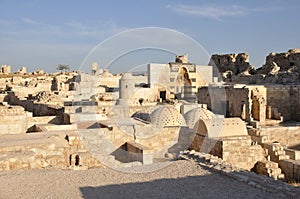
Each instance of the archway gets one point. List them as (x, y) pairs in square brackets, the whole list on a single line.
[(183, 83)]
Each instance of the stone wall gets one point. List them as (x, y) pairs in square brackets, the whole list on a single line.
[(60, 150), (228, 101), (285, 135), (235, 63), (284, 190), (12, 120), (286, 99), (43, 120), (5, 69), (38, 109), (291, 169), (251, 102), (285, 61), (237, 151)]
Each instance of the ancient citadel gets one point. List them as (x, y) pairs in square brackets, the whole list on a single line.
[(73, 120)]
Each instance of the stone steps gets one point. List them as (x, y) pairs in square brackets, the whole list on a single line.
[(269, 168), (260, 139), (275, 151)]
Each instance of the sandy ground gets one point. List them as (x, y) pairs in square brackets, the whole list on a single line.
[(182, 179)]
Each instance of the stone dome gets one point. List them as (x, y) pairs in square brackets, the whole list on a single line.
[(166, 116), (194, 115), (142, 115)]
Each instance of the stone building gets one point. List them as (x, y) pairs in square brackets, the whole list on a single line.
[(249, 102), (179, 79)]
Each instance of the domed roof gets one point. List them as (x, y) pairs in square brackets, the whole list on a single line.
[(166, 116), (194, 115), (143, 115)]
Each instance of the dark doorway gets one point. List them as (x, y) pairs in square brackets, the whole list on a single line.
[(162, 95)]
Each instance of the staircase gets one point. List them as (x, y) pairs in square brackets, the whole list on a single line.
[(275, 151), (269, 168)]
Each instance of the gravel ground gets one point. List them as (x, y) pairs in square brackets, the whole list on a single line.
[(182, 179)]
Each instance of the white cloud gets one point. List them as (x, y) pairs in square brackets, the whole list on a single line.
[(35, 29), (31, 21), (215, 12)]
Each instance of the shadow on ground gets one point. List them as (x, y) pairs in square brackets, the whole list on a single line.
[(207, 186)]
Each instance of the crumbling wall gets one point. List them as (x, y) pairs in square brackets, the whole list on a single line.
[(5, 69), (235, 63), (285, 61), (286, 99), (229, 101)]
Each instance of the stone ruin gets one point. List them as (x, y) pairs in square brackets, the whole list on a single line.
[(22, 70), (95, 68), (76, 120), (231, 64), (279, 68), (289, 61), (182, 59), (5, 69)]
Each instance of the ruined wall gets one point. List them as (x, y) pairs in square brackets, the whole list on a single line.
[(236, 63), (286, 98), (286, 61), (38, 109), (5, 69), (285, 135), (44, 150), (12, 120), (236, 150), (110, 81), (229, 101), (291, 169), (253, 102), (279, 68)]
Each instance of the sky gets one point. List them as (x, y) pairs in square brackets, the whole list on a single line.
[(42, 34)]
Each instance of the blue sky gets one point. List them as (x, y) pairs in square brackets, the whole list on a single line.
[(43, 34)]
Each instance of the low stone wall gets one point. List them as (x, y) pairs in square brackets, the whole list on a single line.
[(41, 120), (38, 109), (44, 150), (291, 169), (293, 154), (285, 135), (265, 183), (12, 120), (235, 150)]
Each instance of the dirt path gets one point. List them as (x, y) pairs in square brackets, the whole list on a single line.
[(182, 179)]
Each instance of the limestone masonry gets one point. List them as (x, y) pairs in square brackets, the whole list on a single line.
[(247, 117)]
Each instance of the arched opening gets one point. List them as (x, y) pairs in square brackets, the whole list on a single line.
[(183, 83), (70, 160), (77, 159)]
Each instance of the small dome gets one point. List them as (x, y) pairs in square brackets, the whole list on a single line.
[(166, 116), (194, 115)]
